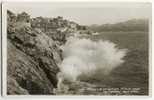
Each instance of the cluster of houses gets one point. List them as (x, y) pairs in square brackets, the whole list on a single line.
[(51, 26)]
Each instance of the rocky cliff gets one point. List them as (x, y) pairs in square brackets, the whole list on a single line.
[(33, 56)]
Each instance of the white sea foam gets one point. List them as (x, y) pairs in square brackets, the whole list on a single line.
[(85, 57)]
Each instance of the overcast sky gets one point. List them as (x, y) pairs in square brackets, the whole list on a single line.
[(85, 13)]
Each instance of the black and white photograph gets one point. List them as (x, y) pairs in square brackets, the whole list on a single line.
[(77, 48)]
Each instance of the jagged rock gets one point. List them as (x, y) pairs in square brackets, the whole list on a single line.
[(41, 49), (25, 73), (32, 60)]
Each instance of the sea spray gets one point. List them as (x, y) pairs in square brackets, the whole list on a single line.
[(84, 57)]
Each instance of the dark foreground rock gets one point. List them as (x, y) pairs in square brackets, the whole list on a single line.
[(25, 76), (32, 59)]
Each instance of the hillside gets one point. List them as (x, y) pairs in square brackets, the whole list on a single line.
[(130, 25)]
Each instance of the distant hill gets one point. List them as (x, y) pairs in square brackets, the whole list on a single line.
[(130, 25)]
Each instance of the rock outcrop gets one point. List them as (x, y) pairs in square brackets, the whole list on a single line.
[(32, 61)]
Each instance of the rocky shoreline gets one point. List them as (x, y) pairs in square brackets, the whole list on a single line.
[(34, 53)]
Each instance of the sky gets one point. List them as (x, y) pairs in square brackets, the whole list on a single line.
[(85, 13)]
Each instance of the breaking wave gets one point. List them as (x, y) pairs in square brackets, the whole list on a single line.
[(84, 57)]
